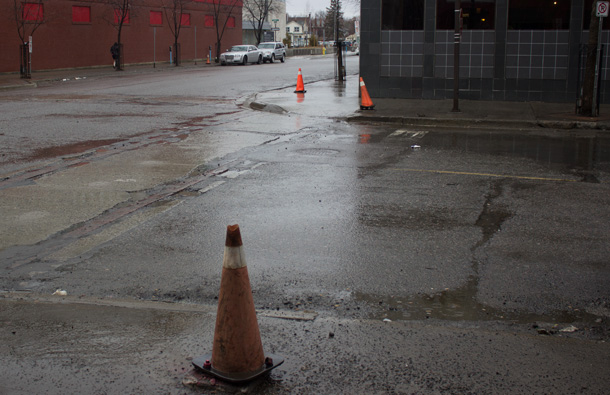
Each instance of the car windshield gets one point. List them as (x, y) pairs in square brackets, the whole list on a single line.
[(267, 46), (239, 48)]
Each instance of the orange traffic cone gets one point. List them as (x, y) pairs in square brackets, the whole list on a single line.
[(300, 85), (208, 61), (365, 101), (237, 353)]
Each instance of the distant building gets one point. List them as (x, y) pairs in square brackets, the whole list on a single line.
[(298, 30), (80, 33), (274, 26), (520, 50)]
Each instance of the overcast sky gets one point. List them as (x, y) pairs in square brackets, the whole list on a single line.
[(304, 7)]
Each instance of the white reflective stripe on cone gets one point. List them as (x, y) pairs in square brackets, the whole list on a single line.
[(234, 258)]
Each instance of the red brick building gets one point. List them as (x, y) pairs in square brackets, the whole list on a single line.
[(79, 33)]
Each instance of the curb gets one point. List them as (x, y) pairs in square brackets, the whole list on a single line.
[(481, 123), (18, 86)]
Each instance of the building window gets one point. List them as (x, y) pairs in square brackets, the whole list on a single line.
[(208, 21), (297, 29), (81, 14), (402, 15), (117, 16), (534, 15), (476, 15), (156, 18), (231, 22), (185, 19), (287, 29), (32, 12)]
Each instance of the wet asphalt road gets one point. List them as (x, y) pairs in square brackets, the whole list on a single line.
[(461, 238)]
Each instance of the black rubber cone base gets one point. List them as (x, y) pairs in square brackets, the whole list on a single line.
[(300, 91), (367, 107), (200, 363)]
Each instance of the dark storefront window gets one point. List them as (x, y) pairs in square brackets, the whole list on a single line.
[(402, 14), (539, 15), (477, 14)]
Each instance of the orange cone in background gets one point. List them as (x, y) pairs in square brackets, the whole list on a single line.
[(365, 101), (208, 61), (300, 85), (237, 352)]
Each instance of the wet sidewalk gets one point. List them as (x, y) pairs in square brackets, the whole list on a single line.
[(340, 100)]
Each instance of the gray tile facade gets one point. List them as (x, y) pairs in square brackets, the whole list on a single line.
[(402, 53), (537, 54), (500, 64)]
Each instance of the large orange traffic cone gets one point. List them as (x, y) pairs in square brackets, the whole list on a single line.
[(237, 352), (365, 100), (300, 85)]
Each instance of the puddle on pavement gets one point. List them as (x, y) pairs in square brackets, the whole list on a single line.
[(583, 155), (459, 305), (339, 89), (70, 149)]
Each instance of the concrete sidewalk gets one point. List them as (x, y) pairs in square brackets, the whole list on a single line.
[(340, 100), (10, 81)]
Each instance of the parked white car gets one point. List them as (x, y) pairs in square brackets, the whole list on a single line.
[(241, 54), (272, 51)]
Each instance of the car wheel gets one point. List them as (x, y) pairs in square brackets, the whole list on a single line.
[(282, 59), (260, 59), (244, 60), (223, 64), (272, 58)]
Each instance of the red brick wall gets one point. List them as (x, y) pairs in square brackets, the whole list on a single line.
[(60, 43)]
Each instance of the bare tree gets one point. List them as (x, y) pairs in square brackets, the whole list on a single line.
[(28, 18), (258, 11), (122, 12), (174, 11), (223, 11)]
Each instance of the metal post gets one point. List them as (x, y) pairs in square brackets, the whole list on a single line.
[(154, 47), (195, 44), (594, 106), (456, 57), (30, 57), (339, 44), (599, 80)]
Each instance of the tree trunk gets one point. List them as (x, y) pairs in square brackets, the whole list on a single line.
[(176, 53), (589, 80)]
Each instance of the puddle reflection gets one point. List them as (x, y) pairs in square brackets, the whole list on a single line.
[(460, 305), (580, 154)]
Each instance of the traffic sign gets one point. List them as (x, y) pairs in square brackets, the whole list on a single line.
[(602, 8), (275, 29)]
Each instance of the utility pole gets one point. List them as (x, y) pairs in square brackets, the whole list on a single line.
[(339, 46)]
